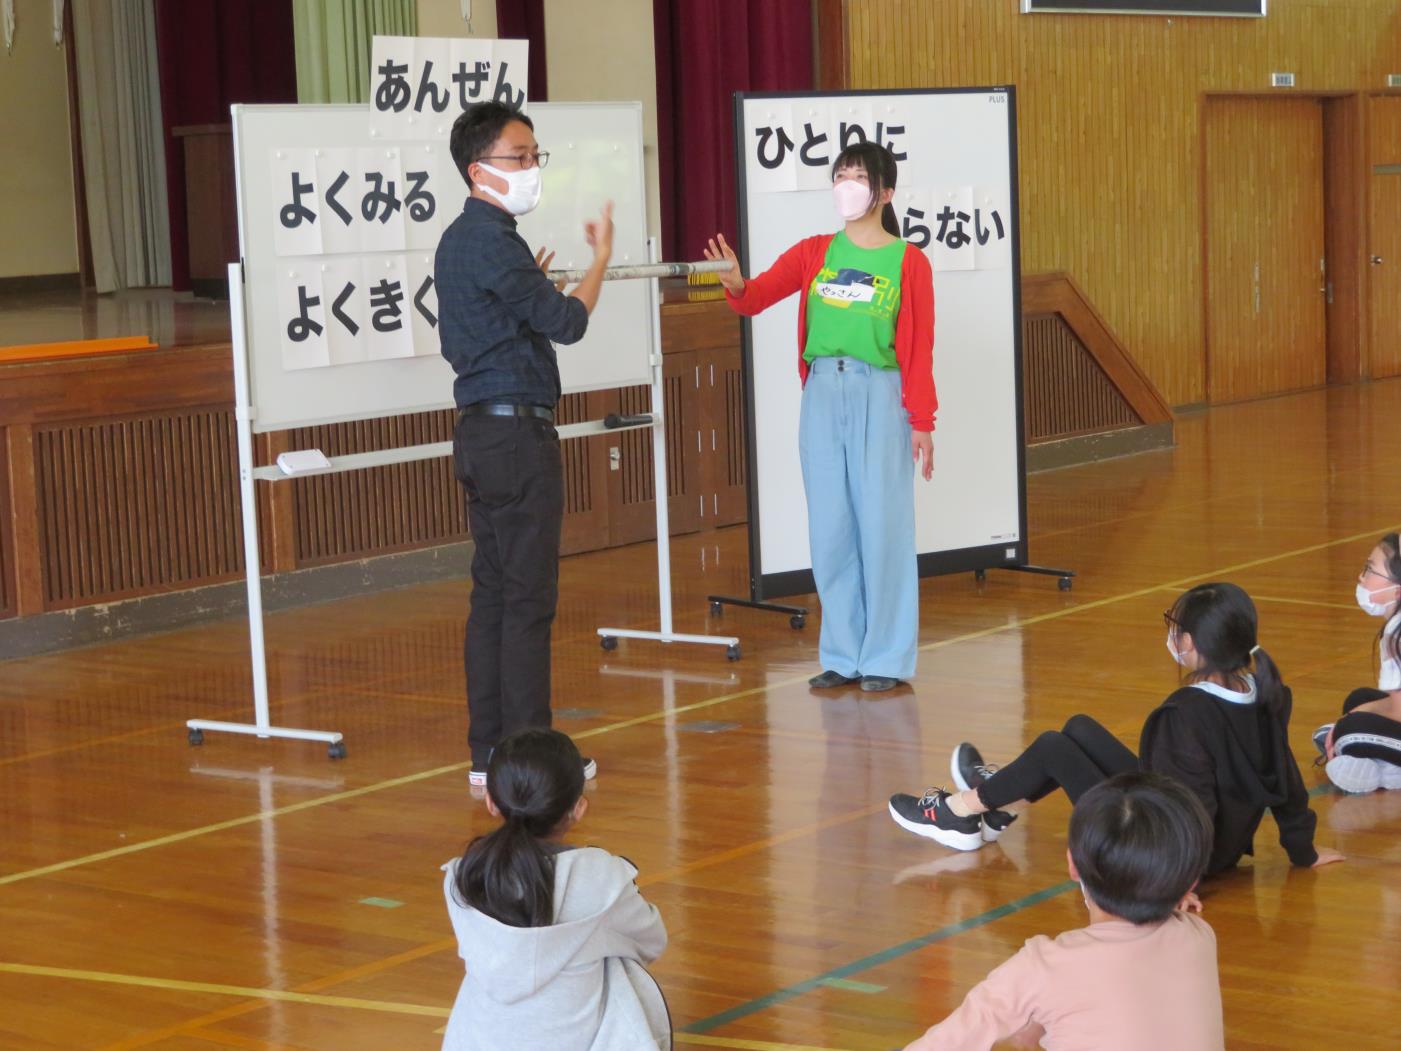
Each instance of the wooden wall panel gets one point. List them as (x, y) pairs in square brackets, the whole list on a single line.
[(127, 507), (1109, 131), (1064, 391), (7, 548), (383, 509)]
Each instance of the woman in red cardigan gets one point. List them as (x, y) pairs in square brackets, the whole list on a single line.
[(865, 359)]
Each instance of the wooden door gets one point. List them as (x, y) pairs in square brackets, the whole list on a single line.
[(1384, 237), (1264, 247)]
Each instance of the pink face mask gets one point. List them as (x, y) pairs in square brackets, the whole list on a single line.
[(851, 198)]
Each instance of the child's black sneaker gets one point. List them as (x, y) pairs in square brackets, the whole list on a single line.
[(929, 816), (996, 822), (967, 767)]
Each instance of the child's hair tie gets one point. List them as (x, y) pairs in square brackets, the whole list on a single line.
[(1254, 649)]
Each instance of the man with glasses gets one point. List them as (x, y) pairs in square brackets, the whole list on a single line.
[(498, 316)]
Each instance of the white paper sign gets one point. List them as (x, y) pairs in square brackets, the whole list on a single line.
[(301, 311), (343, 281), (812, 123), (992, 231), (771, 155), (390, 332), (339, 179), (296, 223), (914, 207), (381, 200), (418, 85), (424, 304), (952, 223)]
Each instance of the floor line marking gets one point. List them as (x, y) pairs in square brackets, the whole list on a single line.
[(697, 1040), (363, 970), (875, 959), (217, 989), (652, 717)]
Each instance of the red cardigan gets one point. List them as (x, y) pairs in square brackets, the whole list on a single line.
[(795, 270)]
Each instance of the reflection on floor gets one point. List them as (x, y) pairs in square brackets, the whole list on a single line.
[(228, 885), (170, 319)]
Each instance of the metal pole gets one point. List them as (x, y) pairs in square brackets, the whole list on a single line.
[(650, 270)]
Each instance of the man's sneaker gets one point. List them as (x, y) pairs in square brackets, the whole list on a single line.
[(830, 680), (477, 778), (1320, 741), (967, 767), (590, 769), (996, 822), (929, 816)]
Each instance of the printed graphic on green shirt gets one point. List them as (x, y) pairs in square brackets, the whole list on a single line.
[(849, 287), (853, 302)]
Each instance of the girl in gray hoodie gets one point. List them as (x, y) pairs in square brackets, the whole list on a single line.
[(554, 937)]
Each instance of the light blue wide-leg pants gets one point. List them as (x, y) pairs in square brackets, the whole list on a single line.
[(854, 442)]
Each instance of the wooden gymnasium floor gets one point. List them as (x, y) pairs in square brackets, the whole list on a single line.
[(256, 895)]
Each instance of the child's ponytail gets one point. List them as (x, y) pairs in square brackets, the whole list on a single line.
[(1269, 686), (534, 779), (1225, 633)]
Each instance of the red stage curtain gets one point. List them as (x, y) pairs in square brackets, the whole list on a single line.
[(706, 50), (213, 53), (525, 20)]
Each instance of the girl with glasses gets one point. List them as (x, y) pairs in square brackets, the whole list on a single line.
[(1362, 749)]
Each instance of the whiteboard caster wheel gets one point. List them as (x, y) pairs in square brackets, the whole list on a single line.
[(608, 642), (196, 737), (980, 575), (796, 621), (717, 609), (337, 750), (732, 653), (1063, 583)]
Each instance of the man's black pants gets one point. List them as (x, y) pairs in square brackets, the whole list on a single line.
[(514, 477)]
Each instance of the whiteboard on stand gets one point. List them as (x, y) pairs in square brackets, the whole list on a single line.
[(337, 231)]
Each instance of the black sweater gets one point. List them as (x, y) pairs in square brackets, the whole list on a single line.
[(1236, 758)]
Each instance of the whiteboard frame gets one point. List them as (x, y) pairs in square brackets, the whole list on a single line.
[(1009, 554), (624, 298)]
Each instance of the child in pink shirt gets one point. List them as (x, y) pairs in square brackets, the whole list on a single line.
[(1142, 976)]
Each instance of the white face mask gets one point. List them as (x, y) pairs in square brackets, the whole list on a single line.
[(851, 199), (1371, 607), (522, 188), (1173, 650)]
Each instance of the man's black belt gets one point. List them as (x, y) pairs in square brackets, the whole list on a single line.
[(501, 408)]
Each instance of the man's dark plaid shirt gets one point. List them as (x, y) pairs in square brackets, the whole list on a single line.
[(498, 312)]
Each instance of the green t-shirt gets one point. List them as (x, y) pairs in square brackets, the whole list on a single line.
[(852, 303)]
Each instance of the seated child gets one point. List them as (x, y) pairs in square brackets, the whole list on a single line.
[(1363, 748), (554, 937), (1142, 976), (1224, 734)]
